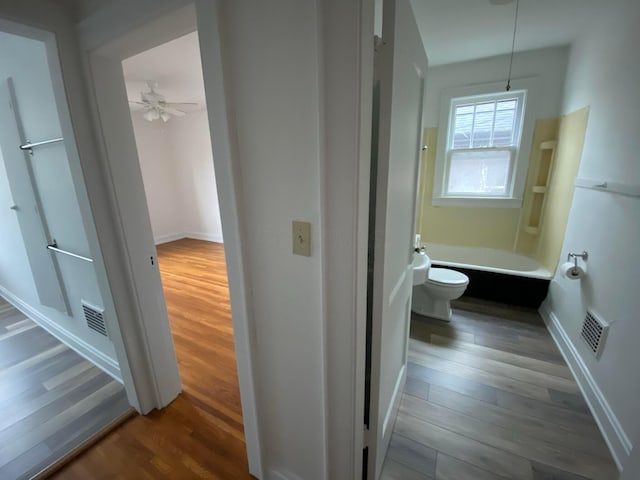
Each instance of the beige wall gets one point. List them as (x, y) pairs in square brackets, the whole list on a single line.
[(545, 129), (503, 228), (466, 226), (573, 128)]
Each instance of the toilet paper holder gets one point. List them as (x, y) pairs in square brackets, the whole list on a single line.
[(584, 256)]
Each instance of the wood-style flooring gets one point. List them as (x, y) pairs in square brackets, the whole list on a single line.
[(489, 397), (51, 399), (200, 435)]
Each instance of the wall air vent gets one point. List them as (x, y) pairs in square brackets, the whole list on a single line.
[(95, 318), (594, 332)]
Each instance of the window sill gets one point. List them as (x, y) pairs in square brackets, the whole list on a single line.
[(476, 202)]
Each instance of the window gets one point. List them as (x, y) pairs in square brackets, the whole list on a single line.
[(482, 143), (481, 162)]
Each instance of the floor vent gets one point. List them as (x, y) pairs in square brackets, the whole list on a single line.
[(95, 319), (594, 331)]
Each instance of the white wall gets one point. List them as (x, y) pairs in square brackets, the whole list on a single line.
[(548, 65), (301, 153), (632, 466), (272, 67), (159, 171), (603, 73), (25, 60), (191, 147), (179, 179)]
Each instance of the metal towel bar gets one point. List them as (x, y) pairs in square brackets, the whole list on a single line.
[(54, 248), (29, 145)]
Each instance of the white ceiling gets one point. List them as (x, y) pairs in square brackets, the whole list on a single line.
[(460, 30), (452, 31), (174, 65)]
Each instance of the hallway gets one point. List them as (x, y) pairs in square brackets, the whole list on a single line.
[(51, 398), (200, 435)]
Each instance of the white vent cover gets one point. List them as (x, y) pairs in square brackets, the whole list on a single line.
[(594, 331), (94, 318)]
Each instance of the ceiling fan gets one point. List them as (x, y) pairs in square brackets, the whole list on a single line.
[(156, 107)]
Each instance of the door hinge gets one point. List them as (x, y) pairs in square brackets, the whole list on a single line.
[(365, 437), (377, 44)]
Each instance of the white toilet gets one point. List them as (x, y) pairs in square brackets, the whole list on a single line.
[(433, 297)]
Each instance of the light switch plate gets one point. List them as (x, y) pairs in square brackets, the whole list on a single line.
[(301, 236)]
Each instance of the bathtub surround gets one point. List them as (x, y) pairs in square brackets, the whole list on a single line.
[(570, 131), (179, 179), (603, 73), (546, 129), (571, 134), (504, 228), (469, 226)]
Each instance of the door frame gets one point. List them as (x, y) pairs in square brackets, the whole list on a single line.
[(346, 31), (46, 24), (106, 39)]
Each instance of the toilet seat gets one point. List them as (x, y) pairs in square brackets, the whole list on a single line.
[(447, 277)]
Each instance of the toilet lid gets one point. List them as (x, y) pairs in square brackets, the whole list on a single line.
[(446, 276)]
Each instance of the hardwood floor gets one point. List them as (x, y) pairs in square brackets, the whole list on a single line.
[(51, 399), (200, 435), (489, 397)]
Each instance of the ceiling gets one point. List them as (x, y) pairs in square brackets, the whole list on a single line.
[(174, 65), (460, 30), (80, 9)]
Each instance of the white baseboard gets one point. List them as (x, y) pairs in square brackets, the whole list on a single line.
[(82, 348), (278, 475), (613, 433), (395, 400), (195, 235), (205, 236), (172, 237)]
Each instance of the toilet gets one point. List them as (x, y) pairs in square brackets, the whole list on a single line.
[(433, 297)]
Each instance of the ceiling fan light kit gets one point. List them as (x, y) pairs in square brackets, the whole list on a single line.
[(151, 115)]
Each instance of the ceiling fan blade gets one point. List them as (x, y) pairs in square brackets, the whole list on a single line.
[(138, 107), (176, 104), (137, 103), (173, 111)]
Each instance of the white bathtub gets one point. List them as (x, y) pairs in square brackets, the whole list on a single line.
[(487, 259)]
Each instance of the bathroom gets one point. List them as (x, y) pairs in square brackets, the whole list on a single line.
[(486, 359), (509, 245)]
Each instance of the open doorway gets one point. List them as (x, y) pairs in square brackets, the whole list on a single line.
[(154, 91), (491, 390), (166, 95), (60, 380)]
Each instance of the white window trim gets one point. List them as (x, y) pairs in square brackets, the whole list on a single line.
[(520, 162)]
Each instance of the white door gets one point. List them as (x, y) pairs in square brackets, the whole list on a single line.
[(27, 205), (400, 69)]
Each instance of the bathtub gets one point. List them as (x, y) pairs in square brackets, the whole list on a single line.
[(495, 275), (487, 260)]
